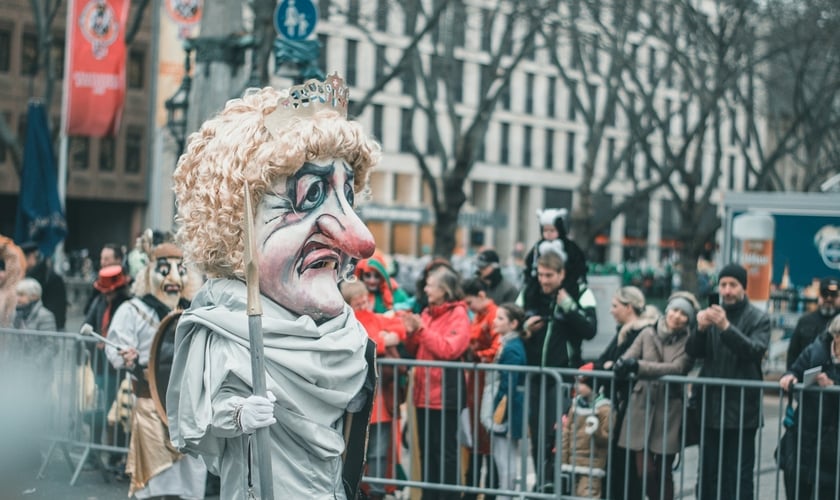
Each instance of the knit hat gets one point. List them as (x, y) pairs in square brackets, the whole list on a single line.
[(682, 304), (735, 271), (486, 258), (555, 217)]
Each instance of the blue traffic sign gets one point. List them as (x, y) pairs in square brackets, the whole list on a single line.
[(295, 19)]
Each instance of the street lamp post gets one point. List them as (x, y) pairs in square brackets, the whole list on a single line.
[(179, 103)]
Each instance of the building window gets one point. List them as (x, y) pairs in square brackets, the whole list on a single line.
[(526, 146), (377, 122), (57, 56), (570, 152), (571, 113), (136, 70), (457, 76), (79, 152), (406, 140), (379, 64), (322, 51), (407, 78), (505, 97), (5, 48), (382, 15), (29, 54), (667, 120), (323, 10), (504, 153), (133, 149), (353, 12), (552, 96), (487, 30), (610, 153), (593, 56), (106, 154), (3, 151), (529, 94), (730, 181), (651, 64), (549, 149), (350, 64)]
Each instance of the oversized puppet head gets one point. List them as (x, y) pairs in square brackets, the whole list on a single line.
[(304, 163), (166, 275)]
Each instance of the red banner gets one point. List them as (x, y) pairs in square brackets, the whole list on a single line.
[(94, 83)]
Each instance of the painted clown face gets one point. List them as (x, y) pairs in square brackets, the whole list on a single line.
[(307, 232), (167, 280)]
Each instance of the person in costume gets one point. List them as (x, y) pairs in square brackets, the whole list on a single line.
[(304, 163), (12, 270), (156, 468), (384, 290)]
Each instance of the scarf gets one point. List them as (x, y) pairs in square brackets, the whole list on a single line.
[(314, 370)]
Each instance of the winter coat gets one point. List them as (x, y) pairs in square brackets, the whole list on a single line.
[(808, 328), (484, 343), (623, 339), (54, 293), (810, 412), (558, 343), (511, 385), (500, 290), (735, 353), (389, 376), (659, 352), (444, 336), (37, 317), (586, 436)]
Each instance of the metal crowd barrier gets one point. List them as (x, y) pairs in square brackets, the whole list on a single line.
[(65, 388), (58, 405), (541, 474)]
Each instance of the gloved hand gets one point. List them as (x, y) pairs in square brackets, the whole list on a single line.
[(255, 413), (591, 425), (624, 367)]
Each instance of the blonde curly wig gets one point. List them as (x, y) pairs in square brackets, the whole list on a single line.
[(235, 146)]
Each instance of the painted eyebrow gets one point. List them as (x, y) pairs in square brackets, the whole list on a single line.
[(308, 168)]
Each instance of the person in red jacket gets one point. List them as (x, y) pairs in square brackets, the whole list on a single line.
[(388, 332), (440, 333), (484, 343)]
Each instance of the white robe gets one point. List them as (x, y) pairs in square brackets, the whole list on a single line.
[(313, 370)]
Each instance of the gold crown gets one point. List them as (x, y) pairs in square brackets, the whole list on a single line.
[(303, 101)]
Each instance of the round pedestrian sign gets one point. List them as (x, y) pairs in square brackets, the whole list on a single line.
[(295, 19)]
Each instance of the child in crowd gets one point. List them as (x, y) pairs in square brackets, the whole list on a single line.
[(586, 432), (388, 333), (504, 398)]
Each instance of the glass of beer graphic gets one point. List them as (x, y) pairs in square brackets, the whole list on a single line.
[(754, 233)]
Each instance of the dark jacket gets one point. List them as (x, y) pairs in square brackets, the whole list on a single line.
[(94, 318), (558, 343), (735, 353), (499, 289), (54, 294), (811, 414), (809, 326), (513, 353)]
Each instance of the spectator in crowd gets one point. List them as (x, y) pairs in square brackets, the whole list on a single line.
[(499, 289), (388, 332), (814, 440), (386, 295), (110, 255), (12, 270), (653, 422), (440, 333), (112, 290), (811, 324), (557, 324), (484, 343), (586, 434), (553, 228), (731, 339), (631, 317), (504, 396), (420, 301), (31, 313), (54, 291), (136, 259)]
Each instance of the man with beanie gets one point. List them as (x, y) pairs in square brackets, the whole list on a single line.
[(812, 324), (731, 339), (489, 270)]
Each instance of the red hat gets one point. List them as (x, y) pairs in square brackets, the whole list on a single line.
[(110, 278), (588, 367)]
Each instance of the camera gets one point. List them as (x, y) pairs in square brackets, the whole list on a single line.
[(714, 299)]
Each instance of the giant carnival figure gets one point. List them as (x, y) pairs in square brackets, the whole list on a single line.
[(300, 162), (156, 468), (12, 270)]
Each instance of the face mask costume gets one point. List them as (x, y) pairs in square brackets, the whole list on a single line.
[(154, 466), (305, 165)]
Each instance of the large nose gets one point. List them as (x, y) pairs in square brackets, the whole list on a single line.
[(342, 225)]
